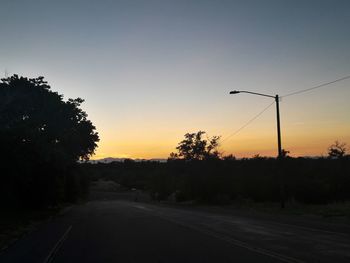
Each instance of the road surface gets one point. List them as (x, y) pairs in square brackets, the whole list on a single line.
[(121, 230)]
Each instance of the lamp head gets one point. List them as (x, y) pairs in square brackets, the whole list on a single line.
[(234, 92)]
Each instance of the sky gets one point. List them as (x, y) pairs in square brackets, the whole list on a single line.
[(152, 70)]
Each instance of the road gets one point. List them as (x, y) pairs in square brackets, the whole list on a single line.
[(121, 230)]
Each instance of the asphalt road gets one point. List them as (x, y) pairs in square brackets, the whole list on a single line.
[(121, 230)]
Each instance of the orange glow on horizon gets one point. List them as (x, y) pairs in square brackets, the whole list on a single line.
[(303, 132), (238, 148)]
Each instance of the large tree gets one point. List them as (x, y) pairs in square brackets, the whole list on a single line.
[(41, 135), (337, 150), (195, 147)]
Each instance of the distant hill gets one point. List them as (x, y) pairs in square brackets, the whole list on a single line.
[(112, 159)]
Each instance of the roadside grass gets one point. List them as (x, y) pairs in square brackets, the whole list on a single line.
[(14, 223), (339, 210)]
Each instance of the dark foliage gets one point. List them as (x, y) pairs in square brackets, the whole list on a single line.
[(195, 147), (217, 181), (42, 138), (337, 150)]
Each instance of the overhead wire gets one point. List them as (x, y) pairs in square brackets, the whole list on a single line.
[(248, 122), (316, 87), (287, 95)]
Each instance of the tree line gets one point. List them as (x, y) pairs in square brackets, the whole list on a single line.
[(46, 140), (198, 172)]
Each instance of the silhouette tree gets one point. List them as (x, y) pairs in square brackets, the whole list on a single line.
[(337, 150), (41, 135), (194, 147), (33, 118), (285, 153)]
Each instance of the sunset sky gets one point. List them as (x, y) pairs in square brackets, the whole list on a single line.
[(151, 71)]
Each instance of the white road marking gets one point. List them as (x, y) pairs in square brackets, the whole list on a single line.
[(239, 243), (228, 220), (57, 246), (243, 244)]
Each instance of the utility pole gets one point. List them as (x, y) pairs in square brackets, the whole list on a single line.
[(278, 127), (279, 143)]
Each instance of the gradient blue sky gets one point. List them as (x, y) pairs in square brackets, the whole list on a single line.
[(150, 71)]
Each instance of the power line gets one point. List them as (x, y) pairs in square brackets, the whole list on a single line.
[(287, 95), (248, 122), (316, 87)]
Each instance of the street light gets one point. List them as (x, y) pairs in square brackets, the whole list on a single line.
[(276, 97)]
